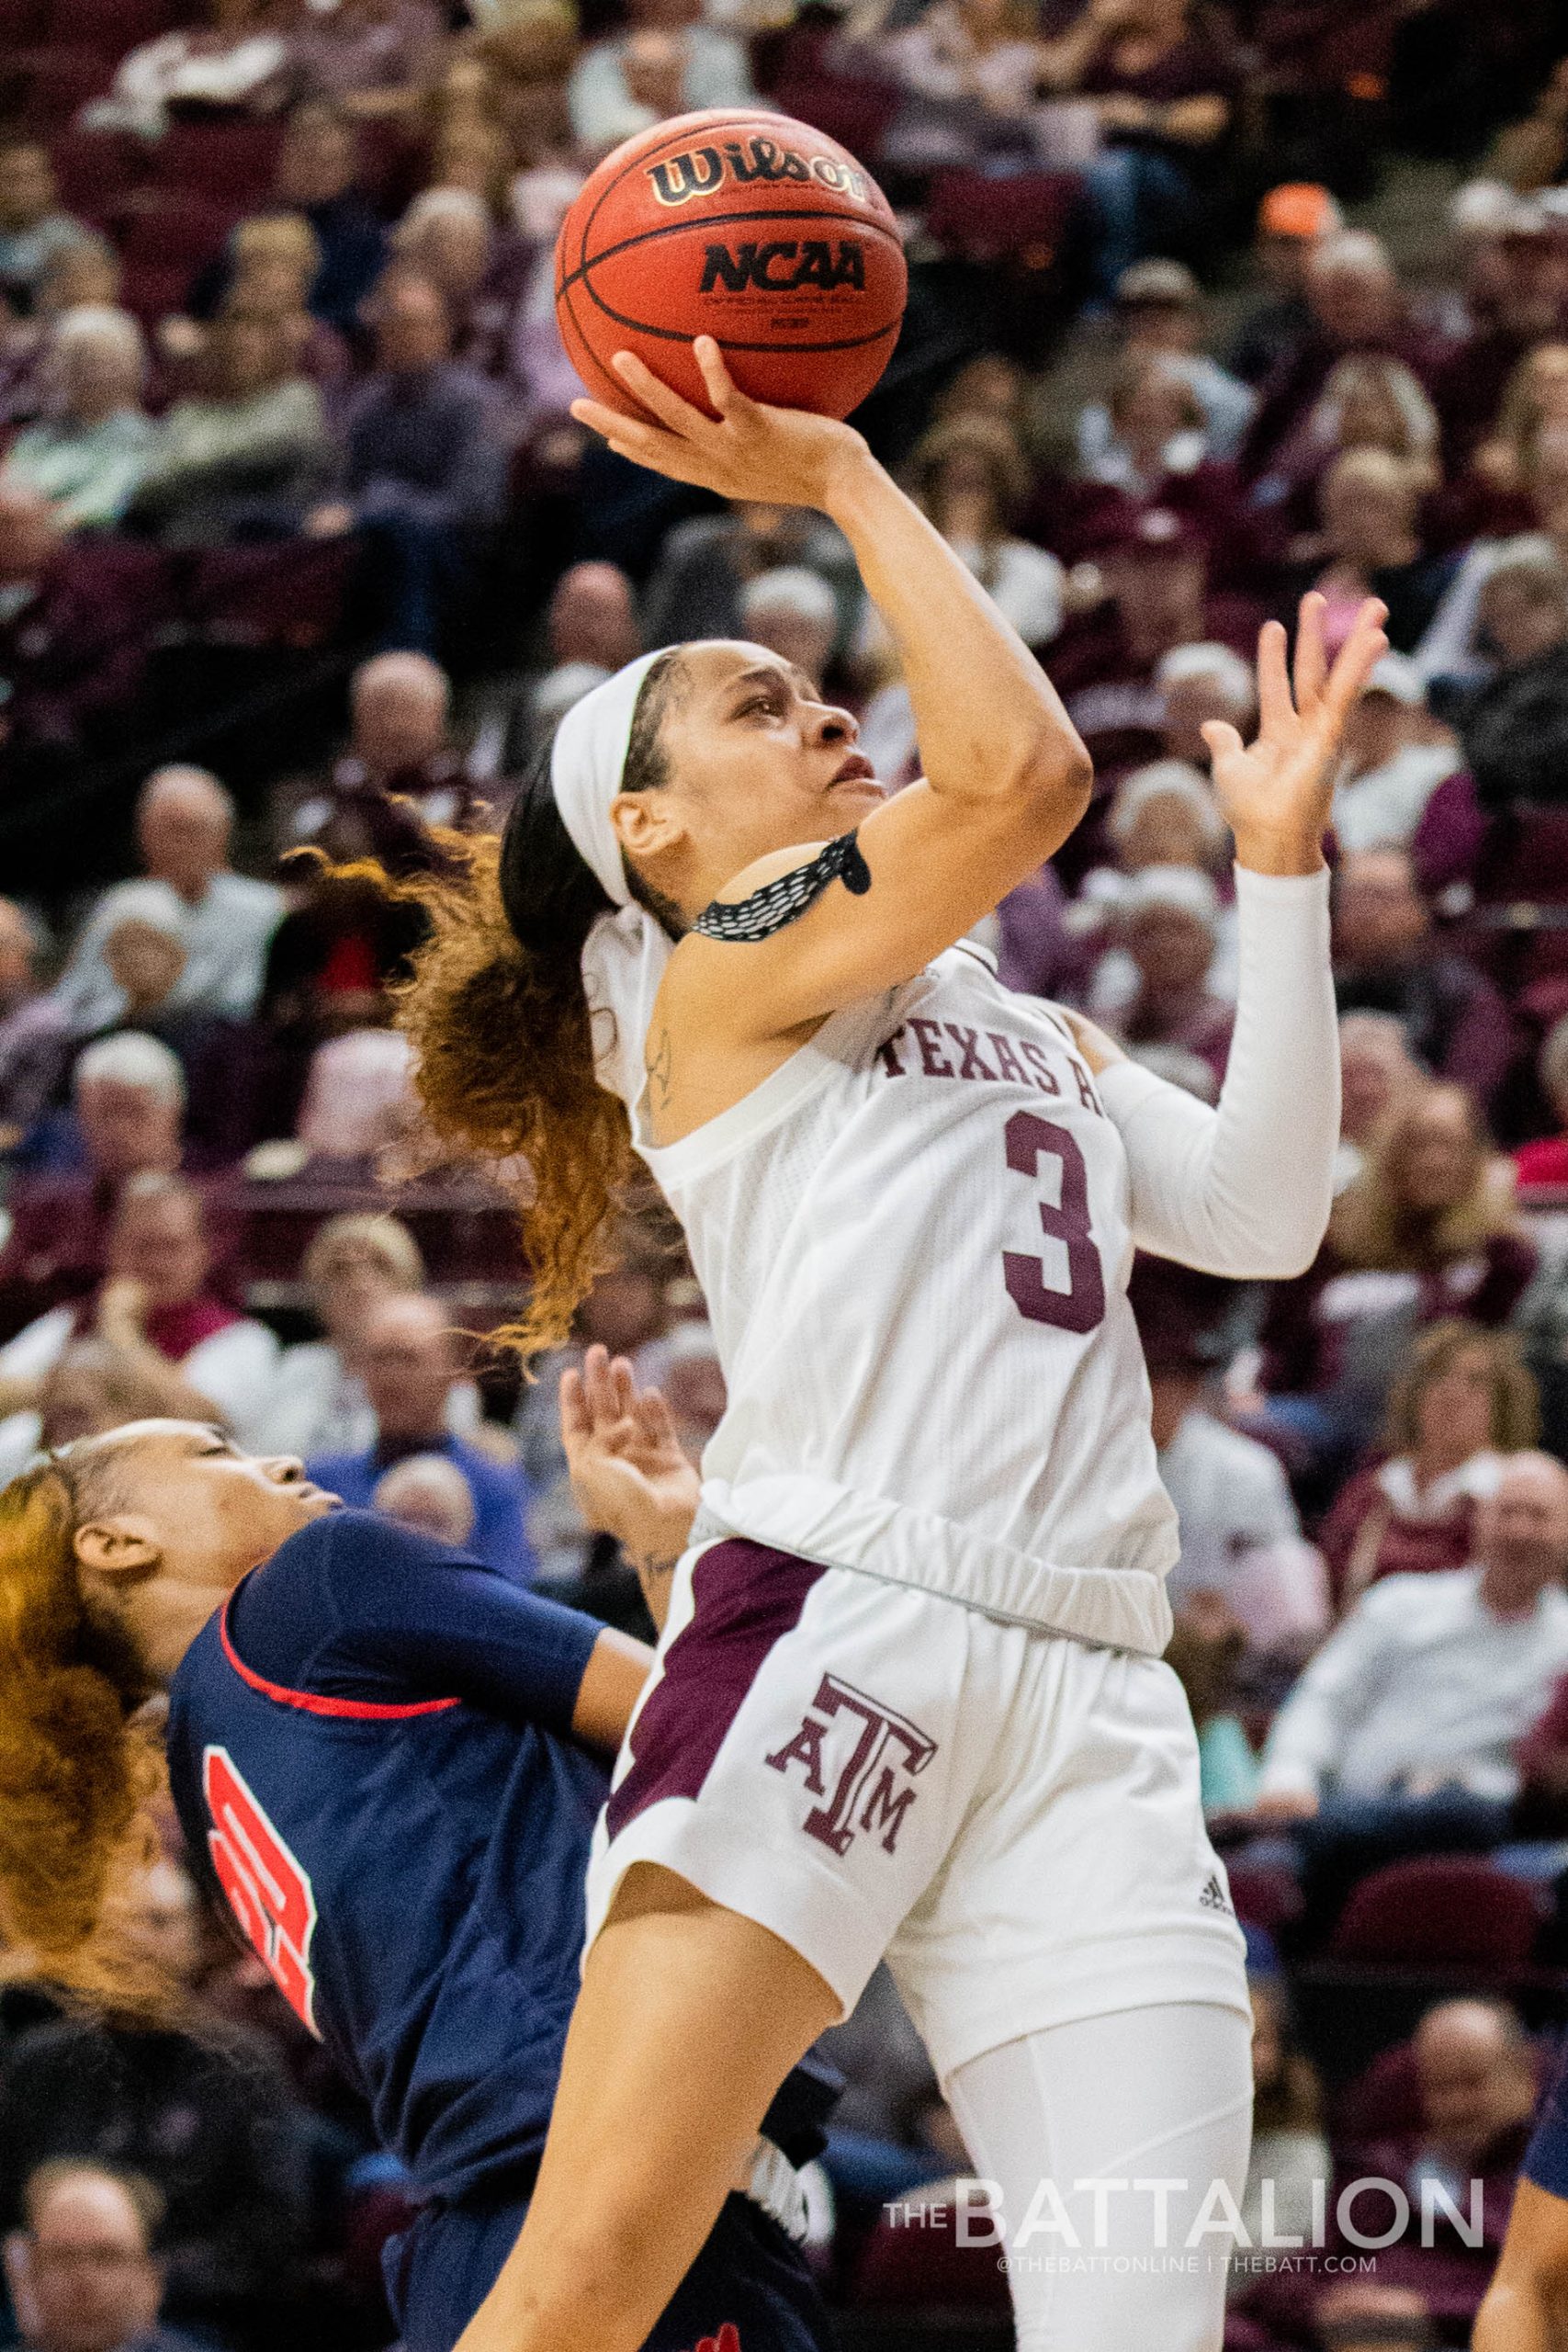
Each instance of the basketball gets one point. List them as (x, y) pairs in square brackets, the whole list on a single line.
[(745, 226)]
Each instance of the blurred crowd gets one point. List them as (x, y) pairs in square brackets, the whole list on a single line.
[(301, 552)]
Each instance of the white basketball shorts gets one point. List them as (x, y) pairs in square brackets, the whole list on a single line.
[(1011, 1816)]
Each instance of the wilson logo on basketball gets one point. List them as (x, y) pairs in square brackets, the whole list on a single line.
[(703, 171), (783, 265)]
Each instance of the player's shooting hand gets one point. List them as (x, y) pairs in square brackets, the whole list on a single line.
[(783, 457), (1277, 791), (629, 1474)]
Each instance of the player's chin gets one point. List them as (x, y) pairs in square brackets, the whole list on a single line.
[(859, 795), (314, 1502)]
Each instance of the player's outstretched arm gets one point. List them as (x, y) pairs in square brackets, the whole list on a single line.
[(629, 1474), (1526, 2304), (1244, 1189), (1007, 777)]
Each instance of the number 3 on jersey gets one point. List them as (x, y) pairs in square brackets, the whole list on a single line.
[(1081, 1306), (269, 1893)]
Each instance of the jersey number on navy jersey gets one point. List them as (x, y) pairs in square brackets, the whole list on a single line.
[(1081, 1306), (268, 1892)]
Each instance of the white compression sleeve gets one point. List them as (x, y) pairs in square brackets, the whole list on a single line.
[(1245, 1189), (1106, 2140)]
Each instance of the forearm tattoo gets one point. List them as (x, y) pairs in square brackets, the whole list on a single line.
[(781, 902)]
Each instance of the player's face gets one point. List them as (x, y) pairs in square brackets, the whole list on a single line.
[(757, 762), (179, 1517)]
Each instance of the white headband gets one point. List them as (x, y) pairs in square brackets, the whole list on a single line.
[(587, 761), (625, 955)]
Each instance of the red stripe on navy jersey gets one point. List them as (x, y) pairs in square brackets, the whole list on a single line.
[(310, 1702)]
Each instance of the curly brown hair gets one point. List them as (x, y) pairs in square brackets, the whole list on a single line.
[(80, 1775)]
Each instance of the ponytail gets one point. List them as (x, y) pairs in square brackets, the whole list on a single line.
[(79, 1778)]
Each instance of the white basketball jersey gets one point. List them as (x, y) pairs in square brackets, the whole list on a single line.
[(914, 1242)]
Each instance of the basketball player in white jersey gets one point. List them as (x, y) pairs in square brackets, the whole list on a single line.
[(910, 1699)]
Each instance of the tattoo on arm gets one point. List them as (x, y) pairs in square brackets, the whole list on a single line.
[(659, 1070), (784, 901)]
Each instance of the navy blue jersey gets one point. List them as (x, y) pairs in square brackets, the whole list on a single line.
[(370, 1752)]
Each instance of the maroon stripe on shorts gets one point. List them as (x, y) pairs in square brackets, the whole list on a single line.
[(748, 1598)]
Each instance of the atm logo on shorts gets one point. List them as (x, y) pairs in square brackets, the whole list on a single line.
[(873, 1790)]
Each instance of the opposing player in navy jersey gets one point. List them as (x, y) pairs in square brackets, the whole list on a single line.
[(389, 1759), (1527, 2306)]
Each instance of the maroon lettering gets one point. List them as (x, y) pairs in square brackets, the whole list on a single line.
[(1007, 1063), (1087, 1094), (888, 1055), (928, 1037), (806, 1747), (1081, 1306), (1045, 1078), (867, 1794), (968, 1040)]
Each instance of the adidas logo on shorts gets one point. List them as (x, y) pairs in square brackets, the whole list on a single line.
[(1213, 1897)]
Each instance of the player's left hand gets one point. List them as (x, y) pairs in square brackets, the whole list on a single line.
[(781, 457), (629, 1474), (1277, 793)]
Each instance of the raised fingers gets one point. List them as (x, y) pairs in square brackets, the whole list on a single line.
[(1311, 659), (1357, 658), (575, 1425), (722, 389), (1275, 707)]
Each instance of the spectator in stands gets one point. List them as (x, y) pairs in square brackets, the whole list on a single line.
[(1356, 304), (1293, 222), (185, 822), (317, 175), (1400, 1736), (249, 456), (1389, 766), (238, 65), (970, 477), (1197, 682), (794, 613), (33, 226), (706, 68), (274, 260), (1427, 1231), (1377, 1075), (425, 476), (1165, 814), (1165, 89), (128, 1096), (1462, 1402), (695, 590), (91, 1388), (429, 1495), (1159, 311), (400, 751), (353, 1263), (371, 56), (1369, 505), (410, 1367), (158, 1313), (1154, 428), (1166, 920), (206, 2118), (1369, 402), (87, 456), (81, 2269), (1514, 728), (34, 1033), (1207, 1646), (1476, 2088), (1528, 309), (971, 66), (1241, 1537), (73, 644), (1387, 960), (448, 237), (1155, 567), (1538, 1166), (591, 629)]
